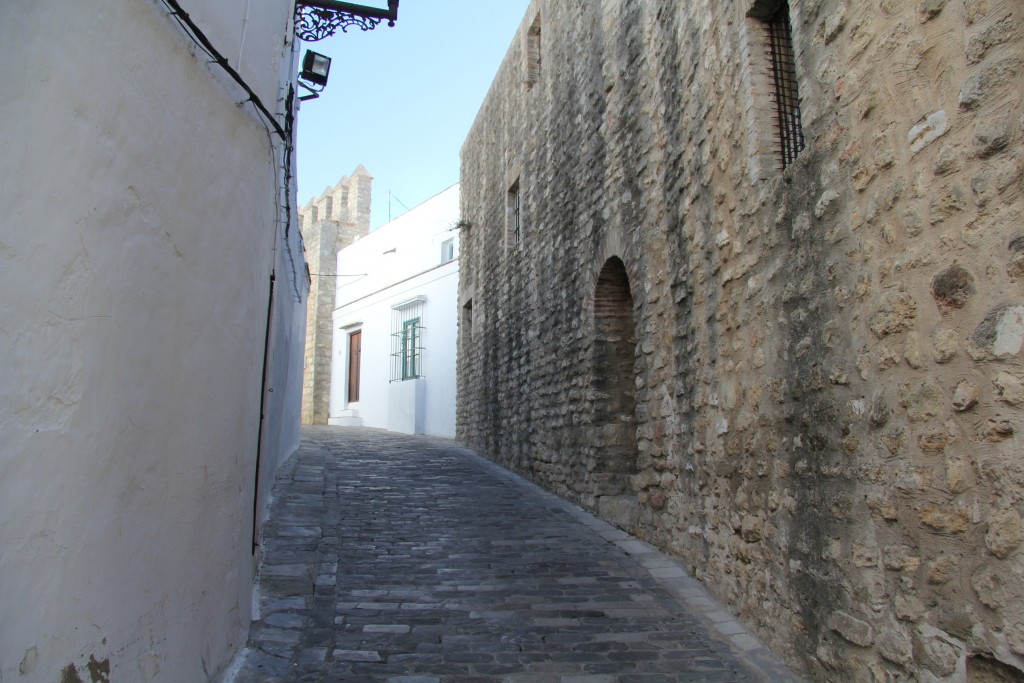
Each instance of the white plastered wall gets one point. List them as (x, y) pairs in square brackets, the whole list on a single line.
[(136, 244)]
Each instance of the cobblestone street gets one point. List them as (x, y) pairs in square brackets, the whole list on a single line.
[(410, 559)]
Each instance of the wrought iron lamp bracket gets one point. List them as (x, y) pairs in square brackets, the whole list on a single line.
[(318, 19)]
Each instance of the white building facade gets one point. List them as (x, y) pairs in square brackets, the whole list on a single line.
[(395, 323), (153, 310)]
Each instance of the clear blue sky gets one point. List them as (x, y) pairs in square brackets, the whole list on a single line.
[(401, 100)]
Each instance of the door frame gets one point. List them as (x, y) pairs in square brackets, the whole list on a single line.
[(351, 363)]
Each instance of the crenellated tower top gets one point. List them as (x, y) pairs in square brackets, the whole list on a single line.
[(347, 204)]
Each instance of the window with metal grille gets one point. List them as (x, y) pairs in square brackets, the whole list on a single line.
[(407, 340), (785, 93), (467, 323), (515, 226), (410, 348)]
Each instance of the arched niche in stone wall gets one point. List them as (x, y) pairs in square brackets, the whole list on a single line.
[(613, 387)]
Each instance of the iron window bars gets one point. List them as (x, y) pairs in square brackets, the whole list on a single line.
[(407, 340), (787, 97), (515, 214)]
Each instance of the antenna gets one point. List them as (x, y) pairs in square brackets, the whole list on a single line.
[(390, 197)]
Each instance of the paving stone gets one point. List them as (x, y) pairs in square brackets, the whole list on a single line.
[(285, 620), (413, 560), (387, 628), (356, 656)]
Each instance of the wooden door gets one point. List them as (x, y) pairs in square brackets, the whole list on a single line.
[(355, 352)]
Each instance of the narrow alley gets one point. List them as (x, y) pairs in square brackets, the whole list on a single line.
[(410, 559)]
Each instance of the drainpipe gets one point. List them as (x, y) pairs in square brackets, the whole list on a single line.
[(263, 404)]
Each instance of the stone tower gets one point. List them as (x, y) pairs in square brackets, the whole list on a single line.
[(332, 221)]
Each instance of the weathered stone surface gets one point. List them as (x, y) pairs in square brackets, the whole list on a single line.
[(931, 8), (752, 529), (940, 653), (909, 607), (945, 519), (992, 136), (994, 34), (965, 396), (979, 87), (855, 630), (976, 11), (912, 351), (826, 204), (1015, 637), (865, 555), (935, 442), (901, 558), (996, 587), (895, 646), (958, 475), (953, 287), (1015, 266), (896, 312), (1009, 388), (884, 509), (1004, 533), (945, 344), (1000, 334), (947, 202), (997, 430), (922, 401), (808, 352), (948, 160)]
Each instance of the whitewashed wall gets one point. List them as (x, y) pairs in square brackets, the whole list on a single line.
[(391, 265), (136, 245)]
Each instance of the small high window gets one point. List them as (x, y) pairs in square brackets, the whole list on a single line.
[(448, 250), (515, 218), (786, 93), (774, 82), (467, 322), (533, 53)]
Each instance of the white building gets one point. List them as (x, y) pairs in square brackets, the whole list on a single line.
[(153, 308), (395, 323)]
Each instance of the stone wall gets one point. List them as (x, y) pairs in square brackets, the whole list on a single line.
[(826, 369), (330, 222)]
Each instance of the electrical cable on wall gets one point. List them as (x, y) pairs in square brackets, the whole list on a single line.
[(289, 122), (285, 133), (182, 17)]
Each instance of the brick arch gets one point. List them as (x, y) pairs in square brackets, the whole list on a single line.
[(613, 386)]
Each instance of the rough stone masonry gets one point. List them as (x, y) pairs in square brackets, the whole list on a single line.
[(803, 380), (329, 223)]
